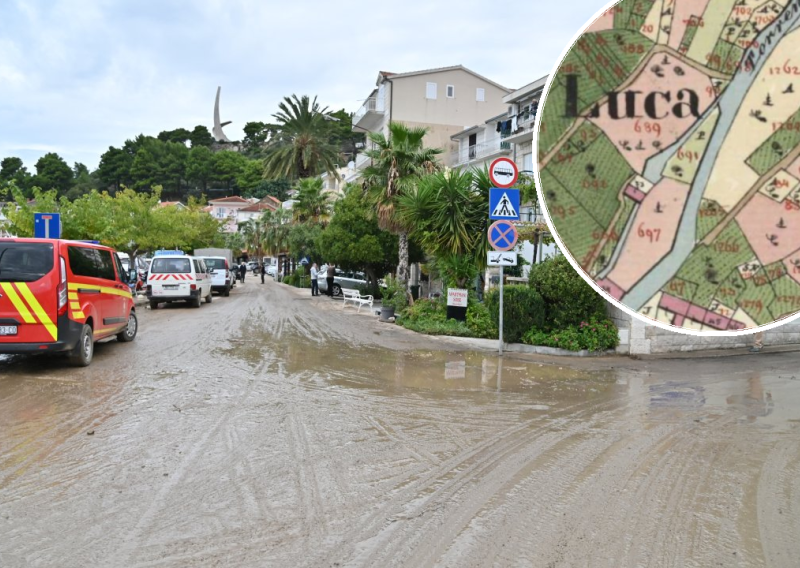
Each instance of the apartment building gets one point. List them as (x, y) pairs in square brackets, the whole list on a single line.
[(443, 100)]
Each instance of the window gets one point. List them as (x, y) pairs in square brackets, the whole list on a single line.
[(473, 142), (84, 261), (123, 273), (450, 91), (25, 262), (166, 265), (480, 95), (215, 263), (430, 91), (527, 162), (105, 265)]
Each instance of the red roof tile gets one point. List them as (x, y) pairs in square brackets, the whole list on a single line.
[(232, 199)]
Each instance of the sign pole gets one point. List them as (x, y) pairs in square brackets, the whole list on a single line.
[(500, 346)]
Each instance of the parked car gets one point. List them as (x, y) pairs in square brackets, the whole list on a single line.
[(341, 279), (272, 270)]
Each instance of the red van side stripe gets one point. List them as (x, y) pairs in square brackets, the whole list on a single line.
[(23, 310), (38, 310)]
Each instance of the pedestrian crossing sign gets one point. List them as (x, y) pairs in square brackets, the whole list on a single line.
[(504, 204)]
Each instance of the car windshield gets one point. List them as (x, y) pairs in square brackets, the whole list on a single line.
[(25, 262), (166, 265), (215, 263)]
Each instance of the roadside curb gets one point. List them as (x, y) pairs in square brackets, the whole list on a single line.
[(521, 348)]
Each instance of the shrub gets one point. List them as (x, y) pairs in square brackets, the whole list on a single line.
[(298, 278), (523, 309), (569, 299), (598, 334), (479, 320), (430, 316), (394, 295)]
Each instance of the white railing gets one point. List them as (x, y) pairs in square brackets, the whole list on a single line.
[(478, 151), (370, 105), (362, 161)]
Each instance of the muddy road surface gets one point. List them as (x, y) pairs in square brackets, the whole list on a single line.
[(273, 429)]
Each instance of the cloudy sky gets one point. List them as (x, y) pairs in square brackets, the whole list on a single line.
[(77, 76)]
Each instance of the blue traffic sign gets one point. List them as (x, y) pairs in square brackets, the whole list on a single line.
[(47, 225), (504, 204), (503, 235)]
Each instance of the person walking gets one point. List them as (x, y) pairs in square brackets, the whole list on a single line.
[(329, 278), (314, 283), (263, 272), (242, 271)]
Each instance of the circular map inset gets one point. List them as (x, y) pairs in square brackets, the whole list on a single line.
[(669, 160)]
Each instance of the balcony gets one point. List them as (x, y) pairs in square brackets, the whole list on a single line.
[(524, 132), (481, 152), (362, 161), (370, 115)]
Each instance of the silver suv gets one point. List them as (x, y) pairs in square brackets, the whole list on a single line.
[(342, 279)]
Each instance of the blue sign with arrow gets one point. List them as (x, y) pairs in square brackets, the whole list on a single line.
[(504, 204)]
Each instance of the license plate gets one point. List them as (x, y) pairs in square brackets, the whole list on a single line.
[(170, 286), (8, 330)]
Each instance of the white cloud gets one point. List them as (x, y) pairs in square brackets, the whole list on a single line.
[(77, 77)]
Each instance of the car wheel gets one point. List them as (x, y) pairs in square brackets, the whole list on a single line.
[(208, 298), (197, 301), (81, 355), (130, 332), (227, 291), (337, 290), (153, 304)]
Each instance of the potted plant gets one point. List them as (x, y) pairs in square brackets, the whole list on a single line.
[(394, 299)]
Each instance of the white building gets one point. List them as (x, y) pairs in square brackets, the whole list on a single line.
[(226, 209), (442, 100)]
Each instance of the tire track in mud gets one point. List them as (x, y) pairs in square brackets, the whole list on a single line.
[(778, 504), (137, 535), (427, 493)]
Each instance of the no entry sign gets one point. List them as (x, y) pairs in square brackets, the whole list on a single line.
[(503, 172)]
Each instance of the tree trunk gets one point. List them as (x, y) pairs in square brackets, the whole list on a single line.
[(402, 263), (402, 266)]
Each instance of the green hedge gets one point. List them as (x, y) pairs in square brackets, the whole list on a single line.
[(597, 334), (430, 316), (523, 309), (569, 299)]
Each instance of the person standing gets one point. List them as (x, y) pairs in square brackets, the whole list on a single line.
[(242, 271), (314, 283), (263, 271), (329, 278)]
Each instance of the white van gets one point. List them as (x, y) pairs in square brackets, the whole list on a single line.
[(177, 277), (222, 279)]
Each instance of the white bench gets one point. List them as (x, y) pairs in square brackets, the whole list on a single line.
[(354, 296)]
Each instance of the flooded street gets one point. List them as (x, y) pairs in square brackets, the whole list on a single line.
[(273, 429)]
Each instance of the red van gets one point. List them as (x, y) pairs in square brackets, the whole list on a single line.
[(62, 296)]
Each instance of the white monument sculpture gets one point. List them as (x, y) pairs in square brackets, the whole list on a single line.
[(219, 135)]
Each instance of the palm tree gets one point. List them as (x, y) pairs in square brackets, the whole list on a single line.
[(300, 147), (313, 203), (253, 231), (276, 229), (398, 163), (447, 213)]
